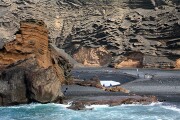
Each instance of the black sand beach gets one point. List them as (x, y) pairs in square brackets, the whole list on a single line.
[(164, 84)]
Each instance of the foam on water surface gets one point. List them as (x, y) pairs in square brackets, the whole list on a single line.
[(154, 111)]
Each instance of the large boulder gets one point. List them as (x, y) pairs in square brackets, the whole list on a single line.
[(44, 86), (13, 86)]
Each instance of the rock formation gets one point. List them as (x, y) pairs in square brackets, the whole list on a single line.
[(178, 63), (93, 82), (121, 27), (81, 103), (93, 57), (117, 89), (30, 72)]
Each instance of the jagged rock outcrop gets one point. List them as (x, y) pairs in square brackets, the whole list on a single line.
[(29, 70), (121, 27)]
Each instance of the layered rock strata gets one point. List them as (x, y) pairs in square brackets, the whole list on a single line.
[(30, 71), (121, 27), (132, 27)]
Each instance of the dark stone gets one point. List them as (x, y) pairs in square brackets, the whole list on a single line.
[(43, 85), (80, 103), (13, 87), (25, 82), (1, 44)]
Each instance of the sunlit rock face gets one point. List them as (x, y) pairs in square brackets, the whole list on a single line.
[(178, 63), (29, 70), (93, 57), (121, 26), (32, 40), (133, 60), (128, 64)]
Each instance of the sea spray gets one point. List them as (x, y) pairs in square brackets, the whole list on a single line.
[(154, 111)]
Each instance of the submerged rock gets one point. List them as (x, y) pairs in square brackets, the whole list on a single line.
[(30, 72)]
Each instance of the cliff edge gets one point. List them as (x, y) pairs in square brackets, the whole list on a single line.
[(30, 70), (117, 33)]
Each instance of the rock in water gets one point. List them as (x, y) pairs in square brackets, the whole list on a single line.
[(29, 72)]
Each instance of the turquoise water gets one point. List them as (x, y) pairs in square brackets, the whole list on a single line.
[(158, 111)]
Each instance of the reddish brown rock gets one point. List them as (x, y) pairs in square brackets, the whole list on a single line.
[(93, 82), (178, 64), (117, 89), (93, 57), (30, 71), (128, 64), (32, 40), (133, 60)]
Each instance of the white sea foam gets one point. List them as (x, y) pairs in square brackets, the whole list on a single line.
[(152, 104), (96, 106), (123, 105), (63, 105), (155, 103), (30, 106), (171, 107), (100, 112), (109, 83)]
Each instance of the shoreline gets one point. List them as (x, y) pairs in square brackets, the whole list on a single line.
[(155, 87)]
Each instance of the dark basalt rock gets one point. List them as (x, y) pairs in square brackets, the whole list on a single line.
[(81, 103), (24, 82), (13, 87), (43, 86)]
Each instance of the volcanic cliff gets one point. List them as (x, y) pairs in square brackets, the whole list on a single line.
[(30, 70), (117, 33)]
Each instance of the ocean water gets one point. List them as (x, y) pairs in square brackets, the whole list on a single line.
[(154, 111)]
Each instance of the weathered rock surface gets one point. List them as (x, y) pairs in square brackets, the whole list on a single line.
[(81, 103), (117, 89), (178, 63), (121, 27), (29, 70), (93, 57), (93, 82)]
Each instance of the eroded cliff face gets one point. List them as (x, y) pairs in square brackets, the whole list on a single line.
[(151, 28), (30, 71), (32, 40), (93, 57), (178, 63), (120, 26), (133, 60)]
